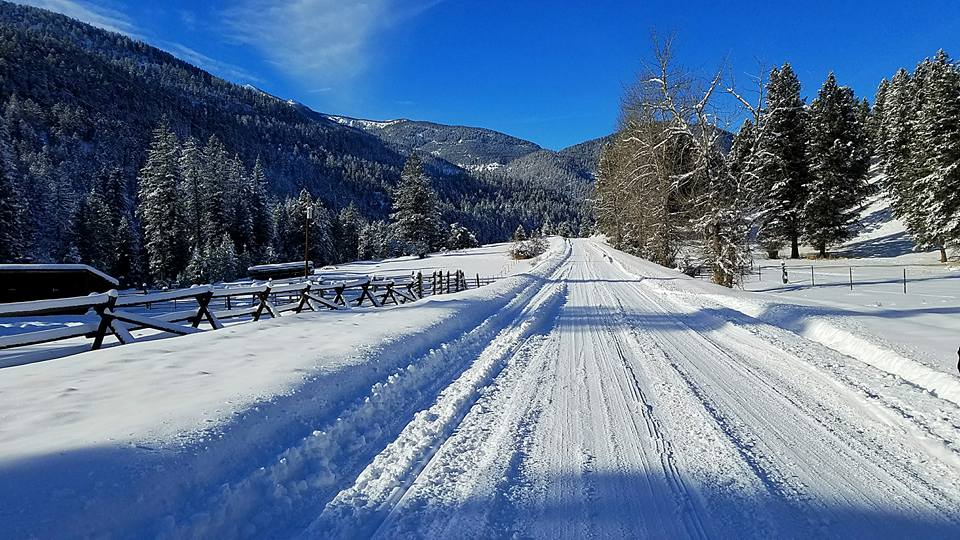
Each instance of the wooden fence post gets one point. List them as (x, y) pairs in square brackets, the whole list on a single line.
[(106, 317), (478, 280), (420, 284)]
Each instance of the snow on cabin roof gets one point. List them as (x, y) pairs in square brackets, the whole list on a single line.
[(277, 266), (58, 268)]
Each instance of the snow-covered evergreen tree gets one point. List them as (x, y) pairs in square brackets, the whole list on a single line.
[(159, 207), (460, 237), (127, 267), (290, 223), (259, 212), (933, 216), (839, 156), (96, 233), (375, 241), (349, 225), (519, 234), (218, 209), (547, 228), (783, 168), (895, 145), (11, 203), (876, 124), (416, 211), (62, 202), (238, 195), (221, 261), (191, 186)]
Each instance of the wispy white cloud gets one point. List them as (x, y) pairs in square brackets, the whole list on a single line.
[(321, 41), (221, 69), (90, 12)]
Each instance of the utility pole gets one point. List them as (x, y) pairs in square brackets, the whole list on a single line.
[(306, 242)]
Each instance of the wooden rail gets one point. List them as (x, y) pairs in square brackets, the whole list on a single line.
[(111, 313)]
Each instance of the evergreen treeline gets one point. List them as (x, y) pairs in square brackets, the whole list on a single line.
[(206, 218), (916, 130)]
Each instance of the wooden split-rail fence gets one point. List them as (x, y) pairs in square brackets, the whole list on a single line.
[(112, 313)]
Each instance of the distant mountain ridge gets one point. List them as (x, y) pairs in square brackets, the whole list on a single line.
[(484, 150), (471, 148)]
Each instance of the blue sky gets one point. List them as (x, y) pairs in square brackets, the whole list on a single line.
[(550, 72)]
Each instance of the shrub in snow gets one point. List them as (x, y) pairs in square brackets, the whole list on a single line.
[(528, 249)]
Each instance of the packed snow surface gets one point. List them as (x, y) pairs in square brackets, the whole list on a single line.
[(591, 394)]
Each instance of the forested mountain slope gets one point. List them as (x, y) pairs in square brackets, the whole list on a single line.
[(78, 105)]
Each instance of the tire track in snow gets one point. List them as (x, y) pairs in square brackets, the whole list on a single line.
[(472, 485), (842, 404), (359, 508), (685, 501)]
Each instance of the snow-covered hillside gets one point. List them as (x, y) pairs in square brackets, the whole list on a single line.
[(590, 394)]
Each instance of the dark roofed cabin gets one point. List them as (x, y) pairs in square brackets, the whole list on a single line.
[(25, 282), (278, 271)]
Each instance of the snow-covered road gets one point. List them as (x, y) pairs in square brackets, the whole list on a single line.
[(605, 397), (626, 414)]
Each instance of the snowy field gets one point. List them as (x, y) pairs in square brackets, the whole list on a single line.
[(490, 260), (591, 394), (922, 324)]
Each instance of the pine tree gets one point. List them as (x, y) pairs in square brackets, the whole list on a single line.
[(114, 191), (895, 145), (259, 209), (237, 195), (547, 229), (159, 208), (281, 233), (191, 185), (291, 227), (416, 212), (62, 200), (96, 233), (11, 203), (460, 237), (783, 169), (519, 234), (218, 210), (742, 152), (127, 267), (876, 125), (839, 158), (350, 223), (221, 261), (934, 215), (375, 241)]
